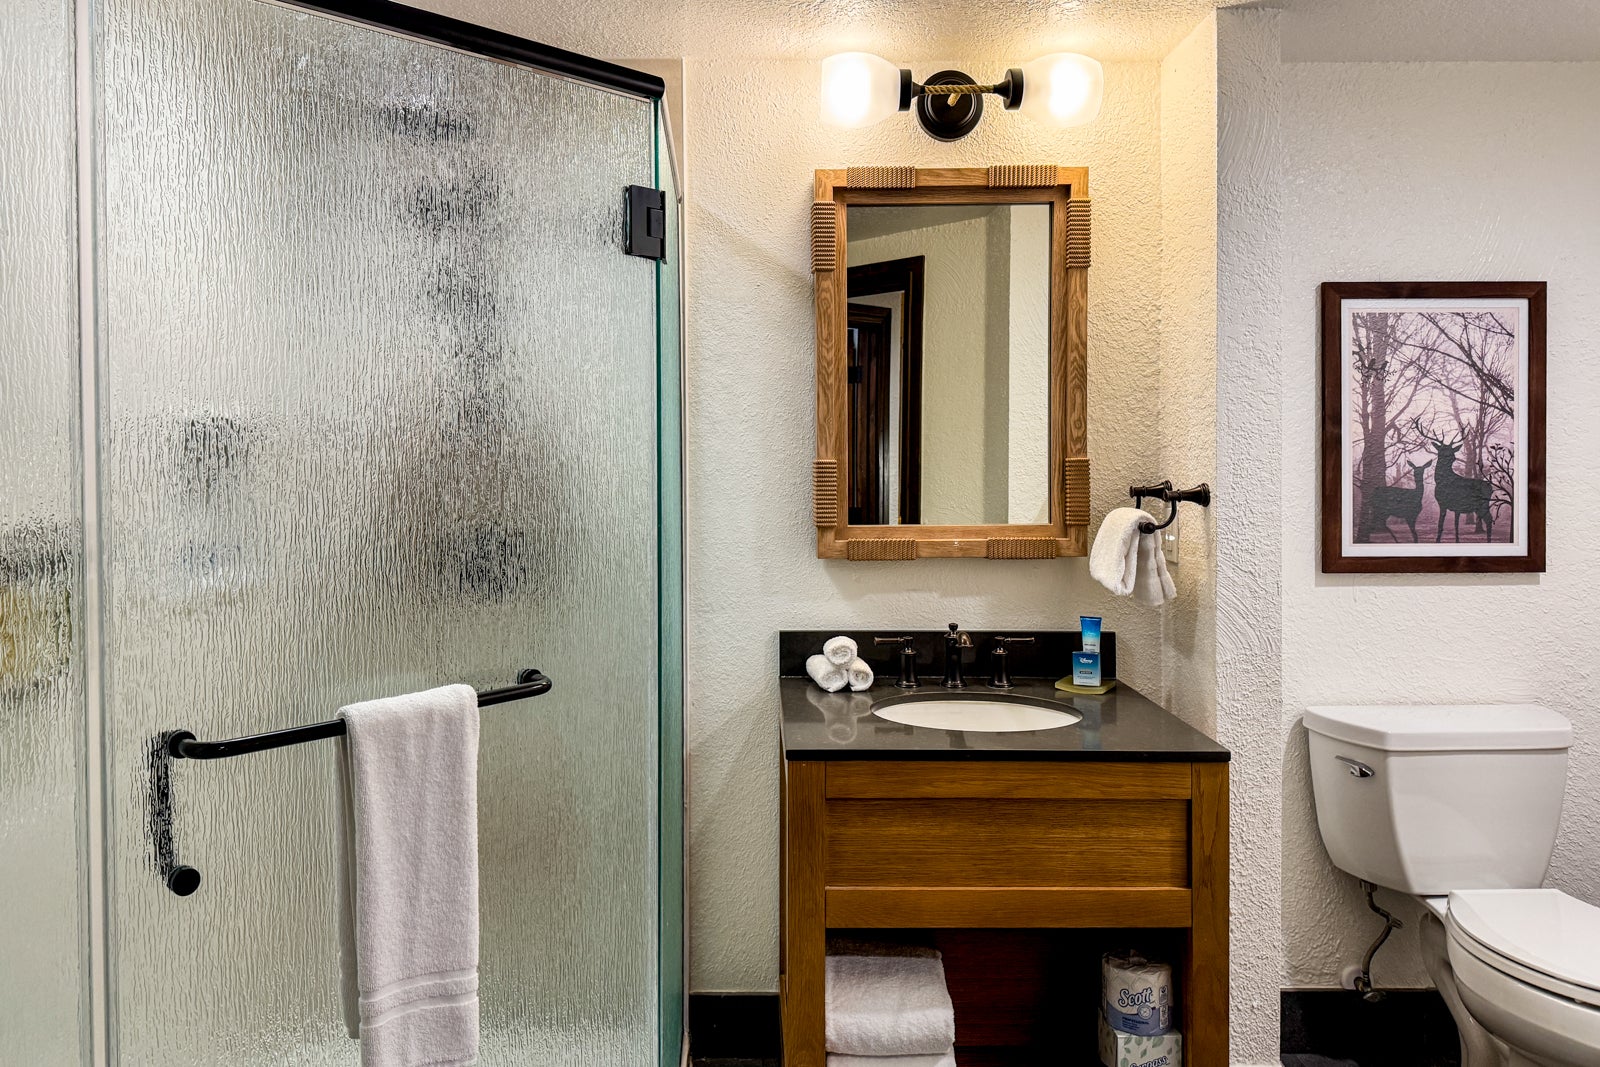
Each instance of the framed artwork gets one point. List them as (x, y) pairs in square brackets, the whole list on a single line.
[(1433, 426)]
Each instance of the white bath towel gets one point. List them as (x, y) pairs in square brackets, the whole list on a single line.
[(840, 651), (409, 914), (1129, 562), (860, 675), (826, 674), (944, 1059), (888, 1006)]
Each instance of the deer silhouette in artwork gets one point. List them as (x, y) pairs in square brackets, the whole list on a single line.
[(1454, 493), (1401, 502)]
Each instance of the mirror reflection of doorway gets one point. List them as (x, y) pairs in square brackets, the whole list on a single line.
[(872, 490), (885, 384)]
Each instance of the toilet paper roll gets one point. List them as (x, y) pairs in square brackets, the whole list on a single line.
[(1137, 994)]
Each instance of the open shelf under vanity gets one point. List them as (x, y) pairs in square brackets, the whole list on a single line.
[(1029, 996)]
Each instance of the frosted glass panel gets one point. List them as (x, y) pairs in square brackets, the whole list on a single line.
[(379, 413), (42, 969)]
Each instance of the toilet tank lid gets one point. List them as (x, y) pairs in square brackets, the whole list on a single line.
[(1443, 727)]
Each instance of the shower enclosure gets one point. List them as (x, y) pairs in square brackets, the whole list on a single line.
[(327, 374)]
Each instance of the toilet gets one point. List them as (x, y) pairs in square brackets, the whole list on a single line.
[(1459, 805)]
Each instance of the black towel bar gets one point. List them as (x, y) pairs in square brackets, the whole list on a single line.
[(181, 744)]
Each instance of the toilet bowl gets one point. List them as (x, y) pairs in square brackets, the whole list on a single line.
[(1459, 806), (1527, 966)]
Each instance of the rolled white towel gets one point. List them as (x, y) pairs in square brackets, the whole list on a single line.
[(943, 1059), (840, 651), (1114, 559), (888, 1006), (860, 675), (826, 674)]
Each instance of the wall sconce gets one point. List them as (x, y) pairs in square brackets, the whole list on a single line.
[(860, 89)]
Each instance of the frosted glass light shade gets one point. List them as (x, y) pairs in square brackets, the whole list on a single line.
[(859, 89), (1062, 89)]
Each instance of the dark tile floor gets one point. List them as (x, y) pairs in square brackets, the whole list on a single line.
[(1290, 1060)]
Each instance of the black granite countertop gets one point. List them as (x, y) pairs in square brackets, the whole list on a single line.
[(1121, 725)]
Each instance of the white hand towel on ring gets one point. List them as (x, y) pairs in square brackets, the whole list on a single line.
[(1129, 562)]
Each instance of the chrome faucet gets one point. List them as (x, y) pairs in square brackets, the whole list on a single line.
[(956, 640)]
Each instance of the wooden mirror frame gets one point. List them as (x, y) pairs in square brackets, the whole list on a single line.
[(1066, 189)]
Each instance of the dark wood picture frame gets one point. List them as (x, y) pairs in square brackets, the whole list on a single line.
[(905, 276), (1335, 424), (1066, 190)]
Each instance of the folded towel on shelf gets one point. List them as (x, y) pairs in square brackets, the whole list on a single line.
[(840, 651), (860, 675), (409, 877), (888, 1005), (1129, 562), (827, 675), (939, 1059)]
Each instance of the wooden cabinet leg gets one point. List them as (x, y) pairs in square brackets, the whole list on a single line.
[(804, 919), (1205, 1020)]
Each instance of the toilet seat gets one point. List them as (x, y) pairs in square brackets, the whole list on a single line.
[(1541, 937)]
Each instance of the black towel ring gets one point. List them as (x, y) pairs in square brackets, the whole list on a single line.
[(1200, 494)]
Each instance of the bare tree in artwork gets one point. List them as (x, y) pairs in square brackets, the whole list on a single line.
[(1433, 388)]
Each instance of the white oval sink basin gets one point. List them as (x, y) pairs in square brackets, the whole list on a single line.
[(976, 715)]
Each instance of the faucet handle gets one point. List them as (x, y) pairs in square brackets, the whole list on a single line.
[(1000, 654), (908, 658)]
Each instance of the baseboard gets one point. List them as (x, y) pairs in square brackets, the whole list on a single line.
[(1407, 1028), (734, 1025)]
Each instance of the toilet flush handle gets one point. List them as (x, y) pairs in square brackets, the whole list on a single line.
[(1357, 768)]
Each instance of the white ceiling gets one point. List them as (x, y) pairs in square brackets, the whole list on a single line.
[(914, 32), (905, 31)]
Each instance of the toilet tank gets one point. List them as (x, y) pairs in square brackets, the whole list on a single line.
[(1426, 799)]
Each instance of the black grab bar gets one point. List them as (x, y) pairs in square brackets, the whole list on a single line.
[(181, 744)]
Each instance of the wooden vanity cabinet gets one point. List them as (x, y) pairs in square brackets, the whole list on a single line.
[(962, 847)]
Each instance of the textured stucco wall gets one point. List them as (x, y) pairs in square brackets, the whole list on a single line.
[(755, 141), (1188, 378), (1248, 517), (1421, 171)]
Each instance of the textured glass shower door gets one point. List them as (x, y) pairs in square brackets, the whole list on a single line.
[(378, 410), (44, 973)]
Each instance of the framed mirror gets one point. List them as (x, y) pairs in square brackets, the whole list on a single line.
[(952, 340)]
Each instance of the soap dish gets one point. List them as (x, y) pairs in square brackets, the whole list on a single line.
[(1066, 686)]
